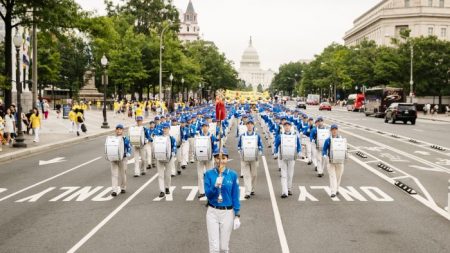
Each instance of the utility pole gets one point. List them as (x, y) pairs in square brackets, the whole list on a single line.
[(34, 76)]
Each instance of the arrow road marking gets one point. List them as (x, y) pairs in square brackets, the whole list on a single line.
[(443, 161), (54, 160)]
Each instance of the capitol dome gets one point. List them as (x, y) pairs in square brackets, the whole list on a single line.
[(250, 57)]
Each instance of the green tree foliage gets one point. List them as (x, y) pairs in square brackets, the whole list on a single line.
[(259, 88), (287, 77)]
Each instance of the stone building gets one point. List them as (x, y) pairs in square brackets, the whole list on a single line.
[(189, 29)]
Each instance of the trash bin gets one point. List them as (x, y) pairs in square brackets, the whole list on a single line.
[(66, 110)]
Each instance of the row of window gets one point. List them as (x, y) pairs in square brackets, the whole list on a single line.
[(190, 17), (443, 32), (430, 3), (194, 30)]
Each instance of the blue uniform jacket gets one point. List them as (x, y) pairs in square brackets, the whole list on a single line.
[(229, 189), (260, 144), (326, 146), (127, 146), (184, 133), (278, 143)]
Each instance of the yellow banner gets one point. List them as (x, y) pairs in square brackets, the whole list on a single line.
[(246, 95)]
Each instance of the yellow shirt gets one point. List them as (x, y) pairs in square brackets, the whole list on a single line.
[(116, 106), (72, 116), (35, 121), (139, 111)]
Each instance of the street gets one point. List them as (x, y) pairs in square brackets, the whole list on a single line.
[(63, 205)]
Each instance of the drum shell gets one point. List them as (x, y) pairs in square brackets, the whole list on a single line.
[(288, 147), (322, 136), (114, 148), (338, 150), (249, 148), (202, 148), (137, 136), (162, 148)]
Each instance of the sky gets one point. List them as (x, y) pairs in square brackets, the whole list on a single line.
[(282, 30)]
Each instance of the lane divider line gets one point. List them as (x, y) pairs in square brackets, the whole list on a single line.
[(110, 216), (276, 211), (49, 179)]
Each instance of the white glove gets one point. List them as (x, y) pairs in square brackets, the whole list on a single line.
[(237, 223), (219, 182)]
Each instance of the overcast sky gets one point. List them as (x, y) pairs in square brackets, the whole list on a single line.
[(282, 30)]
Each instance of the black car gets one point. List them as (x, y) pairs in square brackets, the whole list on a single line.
[(401, 112), (301, 104)]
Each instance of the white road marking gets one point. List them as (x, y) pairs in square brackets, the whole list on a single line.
[(372, 192), (426, 168), (276, 211), (167, 197), (35, 197), (110, 216), (54, 160), (304, 194), (422, 152), (445, 162), (3, 190), (49, 179), (417, 130)]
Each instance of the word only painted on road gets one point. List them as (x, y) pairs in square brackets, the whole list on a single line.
[(193, 193), (349, 193)]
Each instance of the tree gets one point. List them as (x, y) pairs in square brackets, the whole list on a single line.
[(260, 88), (287, 77), (49, 60)]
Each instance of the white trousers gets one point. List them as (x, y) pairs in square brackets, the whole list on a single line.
[(320, 162), (250, 174), (219, 224), (140, 160), (176, 161), (335, 172), (164, 171), (36, 134), (191, 149), (119, 175), (287, 174), (184, 154), (202, 167), (314, 153), (149, 151), (308, 151)]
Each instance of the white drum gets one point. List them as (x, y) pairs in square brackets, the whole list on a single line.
[(288, 147), (338, 150), (202, 148), (137, 136), (322, 135), (212, 128), (114, 148), (242, 129), (162, 148), (175, 132), (249, 148)]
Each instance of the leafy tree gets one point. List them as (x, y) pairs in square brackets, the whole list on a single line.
[(287, 77), (259, 88)]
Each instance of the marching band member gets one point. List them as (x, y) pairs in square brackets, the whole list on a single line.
[(312, 138), (307, 132), (140, 152), (335, 168), (250, 164), (240, 130), (165, 167), (222, 191), (287, 155), (318, 138), (151, 131), (184, 154), (207, 164), (177, 136), (301, 126), (193, 131), (119, 168)]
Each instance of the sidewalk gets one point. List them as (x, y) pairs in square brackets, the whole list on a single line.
[(55, 133), (436, 117)]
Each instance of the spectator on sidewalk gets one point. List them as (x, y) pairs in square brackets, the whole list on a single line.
[(447, 110), (35, 122), (58, 110), (46, 109), (436, 109), (10, 126), (80, 120), (72, 120), (2, 128), (28, 115), (25, 122), (427, 108)]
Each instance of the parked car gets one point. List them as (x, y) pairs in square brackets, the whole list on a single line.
[(325, 106), (301, 104), (401, 112)]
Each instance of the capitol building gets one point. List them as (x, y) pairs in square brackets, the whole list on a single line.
[(389, 17), (250, 70)]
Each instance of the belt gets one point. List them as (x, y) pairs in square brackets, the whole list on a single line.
[(221, 207)]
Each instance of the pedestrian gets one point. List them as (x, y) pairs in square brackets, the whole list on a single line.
[(10, 126), (119, 168), (165, 152), (58, 111), (307, 139), (336, 164), (150, 131), (447, 110), (287, 154), (35, 123), (46, 109), (250, 147), (223, 214), (140, 156), (436, 109), (205, 146), (428, 108), (2, 128), (79, 120), (318, 135)]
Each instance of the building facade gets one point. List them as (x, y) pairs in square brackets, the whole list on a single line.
[(250, 70), (189, 29), (388, 18)]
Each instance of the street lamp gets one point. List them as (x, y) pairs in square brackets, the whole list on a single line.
[(182, 86), (160, 61), (104, 62), (20, 141), (201, 92), (411, 80)]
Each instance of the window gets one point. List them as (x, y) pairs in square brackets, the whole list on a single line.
[(407, 3), (444, 32), (430, 3), (187, 28), (441, 3), (430, 31)]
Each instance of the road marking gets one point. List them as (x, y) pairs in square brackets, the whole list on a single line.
[(110, 216), (167, 197), (35, 197), (3, 190), (422, 152), (426, 168), (54, 160), (276, 211), (50, 178)]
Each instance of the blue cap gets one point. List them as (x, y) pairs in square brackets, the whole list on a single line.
[(166, 125), (224, 152), (204, 123), (288, 122), (334, 126), (119, 126), (250, 121), (156, 118), (174, 120), (139, 118), (305, 116), (319, 118), (162, 117), (183, 121), (311, 118), (245, 116)]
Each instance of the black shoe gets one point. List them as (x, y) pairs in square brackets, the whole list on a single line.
[(183, 167), (172, 175), (78, 133), (114, 194), (161, 194), (279, 169), (253, 193), (333, 196), (289, 193), (179, 172), (337, 193), (136, 175), (315, 169), (303, 158), (123, 191), (284, 196), (143, 173), (247, 196), (320, 175), (242, 176), (201, 195), (167, 191), (309, 163), (149, 167)]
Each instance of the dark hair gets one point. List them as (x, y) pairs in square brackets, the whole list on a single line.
[(37, 111)]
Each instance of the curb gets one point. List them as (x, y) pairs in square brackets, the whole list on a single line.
[(431, 119), (47, 147)]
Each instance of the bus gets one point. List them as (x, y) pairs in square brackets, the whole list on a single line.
[(313, 99), (377, 100), (355, 102)]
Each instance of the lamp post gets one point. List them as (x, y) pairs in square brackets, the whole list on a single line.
[(104, 62), (411, 81), (160, 61), (201, 92), (20, 141), (182, 87)]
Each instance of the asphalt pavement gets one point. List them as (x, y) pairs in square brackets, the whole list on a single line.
[(63, 205)]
